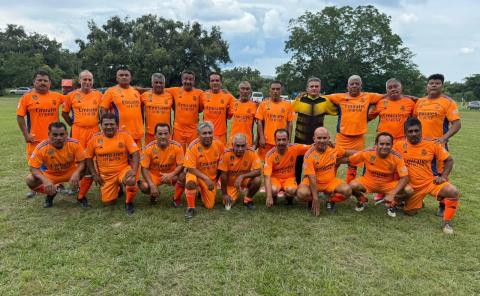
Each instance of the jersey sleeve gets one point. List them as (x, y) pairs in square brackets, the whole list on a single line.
[(309, 165), (223, 164), (144, 97), (267, 169), (260, 112), (334, 98), (302, 149), (374, 98), (291, 112), (357, 158), (330, 108), (452, 111), (107, 100), (79, 153), (22, 106), (401, 167), (179, 156), (90, 150), (36, 160), (132, 147), (256, 162), (67, 104), (340, 151), (145, 158), (190, 159), (441, 153)]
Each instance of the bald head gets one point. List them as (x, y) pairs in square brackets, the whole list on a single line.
[(321, 138)]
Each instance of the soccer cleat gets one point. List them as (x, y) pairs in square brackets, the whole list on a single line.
[(441, 209), (153, 201), (84, 202), (330, 205), (176, 203), (250, 205), (447, 227), (360, 206), (309, 205), (129, 208), (289, 200), (391, 212), (189, 213), (228, 204), (48, 202), (30, 194)]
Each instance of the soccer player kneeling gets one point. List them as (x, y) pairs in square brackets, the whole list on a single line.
[(201, 162), (382, 164), (162, 163), (320, 173), (241, 168), (64, 160), (117, 157), (419, 155)]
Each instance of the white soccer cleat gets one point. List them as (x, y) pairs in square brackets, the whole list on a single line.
[(447, 228), (391, 212)]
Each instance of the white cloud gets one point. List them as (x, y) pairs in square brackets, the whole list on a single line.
[(272, 24), (467, 50), (407, 18)]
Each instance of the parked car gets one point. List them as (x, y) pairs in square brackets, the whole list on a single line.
[(19, 91), (257, 97), (286, 98), (473, 105)]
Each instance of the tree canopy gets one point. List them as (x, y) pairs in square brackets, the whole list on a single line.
[(232, 78)]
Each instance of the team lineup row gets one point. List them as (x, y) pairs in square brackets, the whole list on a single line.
[(112, 156)]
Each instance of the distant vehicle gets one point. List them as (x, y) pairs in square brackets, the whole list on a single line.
[(286, 98), (19, 91), (473, 105), (102, 89), (257, 97)]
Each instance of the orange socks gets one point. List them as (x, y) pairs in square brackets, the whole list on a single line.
[(351, 173), (131, 192), (85, 184), (40, 189), (337, 197), (451, 205), (190, 194), (179, 189)]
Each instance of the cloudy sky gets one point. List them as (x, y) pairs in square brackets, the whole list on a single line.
[(444, 35)]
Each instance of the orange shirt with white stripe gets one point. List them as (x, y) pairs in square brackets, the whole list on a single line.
[(57, 161), (435, 115), (243, 118), (275, 115), (204, 159), (379, 169), (162, 161), (187, 105), (216, 108), (393, 115), (322, 164), (283, 166), (84, 107), (158, 109), (235, 166)]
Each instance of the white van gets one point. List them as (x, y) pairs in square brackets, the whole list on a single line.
[(257, 97)]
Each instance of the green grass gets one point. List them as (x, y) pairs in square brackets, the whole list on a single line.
[(280, 251)]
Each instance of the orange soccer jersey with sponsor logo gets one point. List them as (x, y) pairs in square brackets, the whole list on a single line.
[(435, 115), (58, 162), (187, 105), (204, 159), (162, 161), (275, 115), (353, 111), (127, 105), (236, 166), (283, 166), (322, 164), (419, 159), (393, 115), (379, 169), (158, 109), (216, 107), (84, 107), (111, 154), (40, 110), (243, 117)]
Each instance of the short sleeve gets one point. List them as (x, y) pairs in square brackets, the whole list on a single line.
[(223, 164), (190, 159), (340, 151), (256, 162), (302, 148), (36, 159), (22, 106), (374, 98), (260, 112), (291, 113), (452, 112), (309, 165), (441, 153), (179, 156), (357, 158), (267, 170), (67, 104), (90, 150), (107, 99), (401, 167), (79, 153), (132, 147), (144, 97), (330, 108), (145, 159)]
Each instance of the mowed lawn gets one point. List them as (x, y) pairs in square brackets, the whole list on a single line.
[(281, 251)]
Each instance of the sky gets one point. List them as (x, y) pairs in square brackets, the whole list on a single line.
[(443, 35)]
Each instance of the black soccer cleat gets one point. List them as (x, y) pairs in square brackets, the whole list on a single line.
[(129, 208), (48, 202), (250, 205), (330, 205), (189, 213), (289, 200), (84, 202)]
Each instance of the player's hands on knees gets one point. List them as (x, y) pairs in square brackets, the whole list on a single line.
[(130, 177), (30, 138), (167, 178), (238, 182), (315, 206), (50, 188), (390, 199), (269, 202), (210, 184), (440, 180), (74, 181), (154, 191)]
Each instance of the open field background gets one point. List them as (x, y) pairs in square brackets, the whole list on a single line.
[(282, 251)]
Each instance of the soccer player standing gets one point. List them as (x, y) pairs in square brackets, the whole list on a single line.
[(243, 114)]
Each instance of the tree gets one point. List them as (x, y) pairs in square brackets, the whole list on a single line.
[(338, 42), (231, 79), (152, 44)]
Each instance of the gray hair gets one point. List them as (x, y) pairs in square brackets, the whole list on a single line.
[(84, 72), (311, 79), (392, 80), (203, 125), (238, 137), (354, 77), (246, 83), (159, 76)]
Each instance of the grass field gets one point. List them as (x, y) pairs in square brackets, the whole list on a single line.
[(281, 251)]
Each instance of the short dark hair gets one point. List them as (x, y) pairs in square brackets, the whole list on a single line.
[(215, 73), (275, 82), (436, 77), (383, 134), (56, 124), (41, 73), (185, 72), (280, 130), (411, 122), (124, 68), (109, 115), (162, 124)]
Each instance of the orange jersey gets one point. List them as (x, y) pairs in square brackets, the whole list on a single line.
[(216, 107), (435, 115), (41, 110), (127, 106), (236, 166), (158, 109), (84, 107), (162, 161), (204, 159), (393, 115), (187, 105), (111, 154), (275, 115), (283, 166), (57, 161), (243, 117), (420, 158), (353, 111), (380, 169), (322, 164)]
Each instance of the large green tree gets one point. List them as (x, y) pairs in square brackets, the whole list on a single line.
[(152, 44), (233, 77), (340, 41)]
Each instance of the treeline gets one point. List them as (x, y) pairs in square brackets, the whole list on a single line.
[(331, 44)]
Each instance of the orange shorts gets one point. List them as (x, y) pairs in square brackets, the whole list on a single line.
[(111, 186), (183, 138), (30, 148), (233, 191), (328, 187), (377, 187), (419, 194), (157, 179), (208, 196), (283, 184), (60, 177), (262, 152), (84, 134), (350, 142)]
